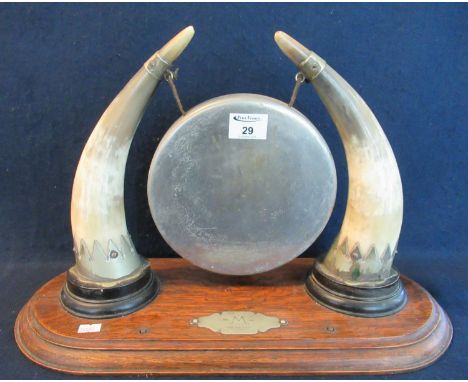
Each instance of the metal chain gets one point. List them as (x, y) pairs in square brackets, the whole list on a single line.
[(300, 78), (170, 76)]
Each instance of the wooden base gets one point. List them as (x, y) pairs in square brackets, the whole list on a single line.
[(160, 339)]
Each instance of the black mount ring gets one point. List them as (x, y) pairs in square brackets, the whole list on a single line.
[(95, 302), (356, 301)]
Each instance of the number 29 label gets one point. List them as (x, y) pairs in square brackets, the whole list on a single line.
[(248, 126)]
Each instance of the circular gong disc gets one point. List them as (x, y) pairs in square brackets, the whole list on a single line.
[(241, 184)]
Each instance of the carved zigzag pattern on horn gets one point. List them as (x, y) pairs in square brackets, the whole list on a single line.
[(113, 252), (356, 253), (357, 256)]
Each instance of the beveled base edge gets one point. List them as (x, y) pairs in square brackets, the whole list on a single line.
[(110, 302), (361, 302), (389, 355)]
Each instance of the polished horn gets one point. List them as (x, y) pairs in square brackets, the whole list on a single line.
[(110, 278), (356, 275)]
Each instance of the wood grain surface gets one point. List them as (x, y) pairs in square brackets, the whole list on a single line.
[(160, 339)]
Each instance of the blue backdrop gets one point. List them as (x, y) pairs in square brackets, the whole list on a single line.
[(61, 65)]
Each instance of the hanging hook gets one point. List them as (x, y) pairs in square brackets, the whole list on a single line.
[(299, 78), (170, 76)]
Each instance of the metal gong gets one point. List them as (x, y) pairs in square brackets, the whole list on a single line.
[(241, 184)]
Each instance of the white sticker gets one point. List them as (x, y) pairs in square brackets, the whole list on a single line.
[(248, 126), (89, 328)]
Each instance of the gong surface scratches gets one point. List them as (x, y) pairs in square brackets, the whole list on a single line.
[(241, 184)]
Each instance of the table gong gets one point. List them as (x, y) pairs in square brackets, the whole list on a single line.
[(239, 187)]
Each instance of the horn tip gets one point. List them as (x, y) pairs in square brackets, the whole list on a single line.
[(293, 49), (279, 36), (172, 50), (189, 31)]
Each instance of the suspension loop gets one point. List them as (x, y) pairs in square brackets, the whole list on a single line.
[(170, 76), (300, 79)]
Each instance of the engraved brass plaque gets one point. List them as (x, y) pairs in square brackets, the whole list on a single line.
[(238, 322)]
